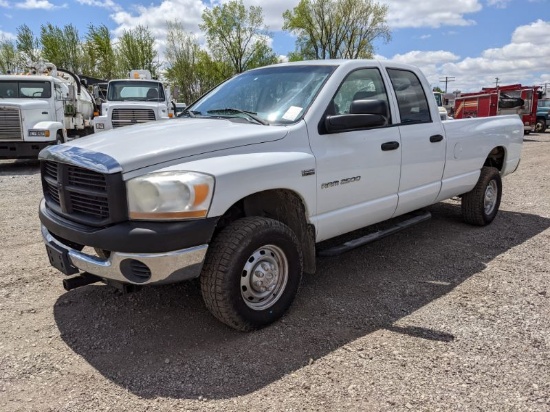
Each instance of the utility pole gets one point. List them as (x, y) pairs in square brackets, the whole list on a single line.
[(496, 82), (447, 80)]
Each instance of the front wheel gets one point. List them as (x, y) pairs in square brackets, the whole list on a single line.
[(480, 206), (59, 138), (252, 272)]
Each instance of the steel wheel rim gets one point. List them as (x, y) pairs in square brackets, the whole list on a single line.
[(264, 277), (490, 198)]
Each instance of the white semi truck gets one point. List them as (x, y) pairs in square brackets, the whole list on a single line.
[(40, 108), (138, 99)]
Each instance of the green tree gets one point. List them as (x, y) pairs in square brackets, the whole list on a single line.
[(62, 47), (99, 53), (28, 45), (9, 57), (237, 36), (211, 72), (333, 29), (181, 57), (135, 50)]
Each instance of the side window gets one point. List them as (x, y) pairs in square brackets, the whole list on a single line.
[(411, 99), (363, 84)]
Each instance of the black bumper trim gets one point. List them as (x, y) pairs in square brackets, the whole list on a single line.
[(22, 150), (132, 236)]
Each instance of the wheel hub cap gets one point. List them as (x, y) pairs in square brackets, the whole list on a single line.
[(264, 277), (490, 200)]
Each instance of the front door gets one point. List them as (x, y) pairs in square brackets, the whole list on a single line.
[(357, 170)]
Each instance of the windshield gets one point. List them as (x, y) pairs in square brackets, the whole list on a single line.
[(25, 89), (438, 99), (275, 95), (137, 91), (544, 103)]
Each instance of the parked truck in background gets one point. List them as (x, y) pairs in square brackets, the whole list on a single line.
[(440, 107), (503, 100), (242, 188), (138, 99), (40, 108), (543, 115)]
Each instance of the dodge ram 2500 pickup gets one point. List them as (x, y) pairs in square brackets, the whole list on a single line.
[(241, 188)]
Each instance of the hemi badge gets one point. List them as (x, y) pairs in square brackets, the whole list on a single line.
[(308, 172)]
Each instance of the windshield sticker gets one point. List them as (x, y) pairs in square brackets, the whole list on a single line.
[(292, 113)]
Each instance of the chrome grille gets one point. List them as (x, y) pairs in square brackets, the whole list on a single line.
[(83, 195), (10, 123), (128, 117)]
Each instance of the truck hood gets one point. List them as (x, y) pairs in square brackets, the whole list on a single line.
[(135, 147), (134, 105), (25, 104)]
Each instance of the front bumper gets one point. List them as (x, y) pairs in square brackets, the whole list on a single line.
[(22, 149), (134, 268)]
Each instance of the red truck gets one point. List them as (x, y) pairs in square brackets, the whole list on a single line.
[(501, 100)]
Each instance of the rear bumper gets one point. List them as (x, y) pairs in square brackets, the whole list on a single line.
[(22, 150), (153, 268)]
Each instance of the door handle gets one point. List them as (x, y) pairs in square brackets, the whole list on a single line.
[(436, 138), (390, 146)]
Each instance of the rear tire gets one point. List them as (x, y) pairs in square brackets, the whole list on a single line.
[(252, 273), (480, 206), (540, 127)]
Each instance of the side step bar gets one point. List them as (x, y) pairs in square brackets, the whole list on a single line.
[(355, 243)]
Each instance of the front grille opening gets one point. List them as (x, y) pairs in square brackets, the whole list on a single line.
[(135, 271), (82, 195)]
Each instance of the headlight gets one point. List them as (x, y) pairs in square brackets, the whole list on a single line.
[(170, 195), (39, 133)]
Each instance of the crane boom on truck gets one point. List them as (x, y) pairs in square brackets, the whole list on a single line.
[(42, 107)]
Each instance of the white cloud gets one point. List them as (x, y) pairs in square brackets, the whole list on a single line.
[(4, 3), (105, 4), (523, 60), (4, 35), (430, 13), (188, 12), (501, 4), (35, 4)]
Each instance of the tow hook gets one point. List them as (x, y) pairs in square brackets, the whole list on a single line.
[(81, 280)]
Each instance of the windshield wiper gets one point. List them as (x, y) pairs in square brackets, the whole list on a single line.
[(249, 115), (190, 113)]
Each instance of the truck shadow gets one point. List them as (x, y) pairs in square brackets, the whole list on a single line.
[(162, 342), (19, 167)]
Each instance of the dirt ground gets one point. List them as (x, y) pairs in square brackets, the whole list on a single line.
[(440, 317)]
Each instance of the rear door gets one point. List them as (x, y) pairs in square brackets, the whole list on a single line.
[(423, 143)]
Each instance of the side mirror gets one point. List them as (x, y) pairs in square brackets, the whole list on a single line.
[(348, 122), (363, 114)]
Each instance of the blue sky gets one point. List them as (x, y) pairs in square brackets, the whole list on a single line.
[(473, 41)]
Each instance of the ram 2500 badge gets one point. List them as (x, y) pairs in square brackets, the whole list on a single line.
[(241, 188)]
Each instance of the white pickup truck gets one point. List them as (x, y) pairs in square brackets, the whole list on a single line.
[(242, 187)]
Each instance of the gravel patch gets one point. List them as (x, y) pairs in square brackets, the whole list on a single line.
[(440, 317)]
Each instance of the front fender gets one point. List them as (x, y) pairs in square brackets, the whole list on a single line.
[(53, 127), (241, 175)]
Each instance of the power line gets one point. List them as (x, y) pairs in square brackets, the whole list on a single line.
[(447, 80)]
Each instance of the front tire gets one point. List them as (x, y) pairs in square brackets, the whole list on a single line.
[(59, 138), (480, 206), (252, 272)]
